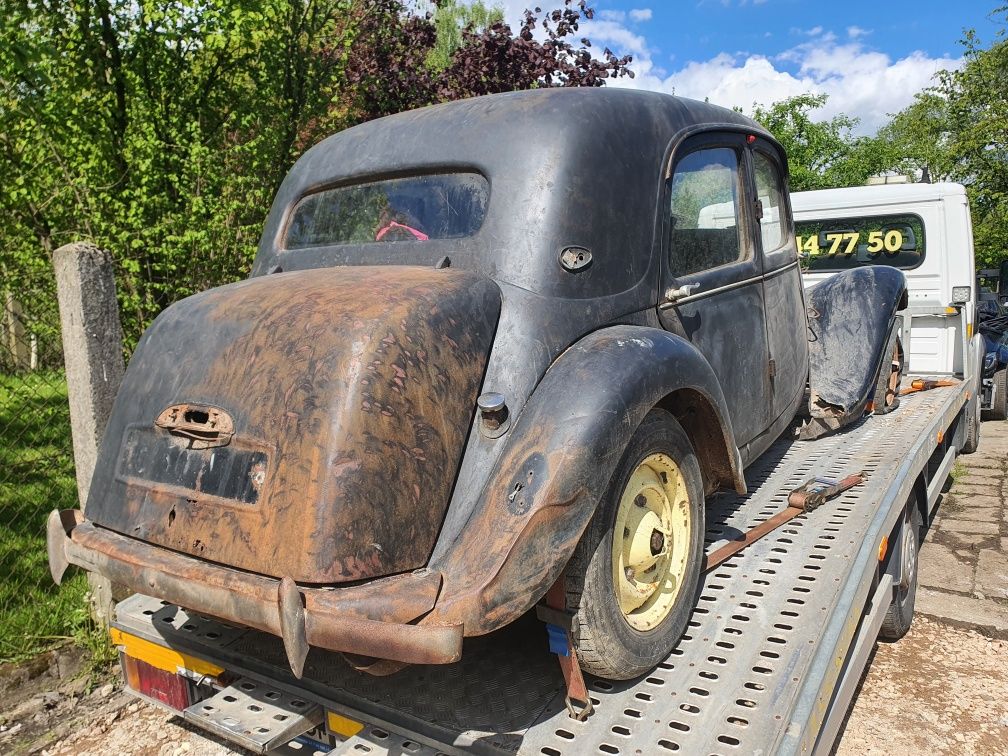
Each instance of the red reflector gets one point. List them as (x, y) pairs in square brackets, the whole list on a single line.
[(751, 138), (166, 687)]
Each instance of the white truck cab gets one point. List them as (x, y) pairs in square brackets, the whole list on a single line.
[(924, 230)]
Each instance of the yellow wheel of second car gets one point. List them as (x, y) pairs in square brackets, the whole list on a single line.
[(651, 542)]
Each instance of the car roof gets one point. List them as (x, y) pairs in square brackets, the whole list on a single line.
[(567, 167)]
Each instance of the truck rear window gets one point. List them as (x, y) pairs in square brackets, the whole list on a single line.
[(840, 243), (416, 208)]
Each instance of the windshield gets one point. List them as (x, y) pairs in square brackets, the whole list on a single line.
[(842, 243), (417, 208)]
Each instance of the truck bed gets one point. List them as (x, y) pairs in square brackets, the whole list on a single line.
[(774, 649)]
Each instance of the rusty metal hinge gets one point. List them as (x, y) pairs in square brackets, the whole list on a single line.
[(773, 368)]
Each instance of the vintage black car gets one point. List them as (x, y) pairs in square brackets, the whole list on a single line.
[(481, 343)]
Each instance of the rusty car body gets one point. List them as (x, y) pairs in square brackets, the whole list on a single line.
[(303, 452)]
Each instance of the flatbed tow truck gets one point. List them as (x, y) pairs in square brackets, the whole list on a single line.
[(247, 472), (775, 648)]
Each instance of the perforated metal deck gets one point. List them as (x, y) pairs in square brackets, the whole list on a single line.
[(755, 672)]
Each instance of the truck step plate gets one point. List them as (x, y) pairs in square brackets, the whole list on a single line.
[(254, 715)]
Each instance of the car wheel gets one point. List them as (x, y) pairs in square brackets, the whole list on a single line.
[(887, 386), (972, 418), (632, 581), (899, 615), (999, 407)]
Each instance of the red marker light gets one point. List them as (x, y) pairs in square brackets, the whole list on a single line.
[(751, 138)]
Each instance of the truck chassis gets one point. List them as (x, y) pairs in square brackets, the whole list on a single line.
[(772, 656)]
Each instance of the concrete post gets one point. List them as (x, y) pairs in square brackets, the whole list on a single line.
[(93, 356)]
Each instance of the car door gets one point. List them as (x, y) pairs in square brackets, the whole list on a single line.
[(787, 333), (713, 287)]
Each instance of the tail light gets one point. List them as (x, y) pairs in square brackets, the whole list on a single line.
[(168, 688)]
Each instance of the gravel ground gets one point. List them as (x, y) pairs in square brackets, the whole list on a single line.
[(940, 690)]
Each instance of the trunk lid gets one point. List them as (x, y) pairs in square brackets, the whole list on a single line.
[(306, 424)]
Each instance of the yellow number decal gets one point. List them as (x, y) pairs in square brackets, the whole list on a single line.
[(893, 241), (875, 242), (835, 240), (852, 238), (810, 245)]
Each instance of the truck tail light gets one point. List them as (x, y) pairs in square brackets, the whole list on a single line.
[(166, 687)]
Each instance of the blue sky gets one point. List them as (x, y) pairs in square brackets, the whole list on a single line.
[(869, 57)]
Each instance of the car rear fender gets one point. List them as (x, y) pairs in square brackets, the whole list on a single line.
[(562, 452)]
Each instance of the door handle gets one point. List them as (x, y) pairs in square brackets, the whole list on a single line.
[(674, 295)]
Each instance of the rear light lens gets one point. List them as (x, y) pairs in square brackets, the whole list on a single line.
[(168, 688)]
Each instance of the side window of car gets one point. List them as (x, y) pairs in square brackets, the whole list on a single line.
[(704, 206), (770, 191)]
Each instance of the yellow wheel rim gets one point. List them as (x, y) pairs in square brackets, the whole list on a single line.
[(651, 542)]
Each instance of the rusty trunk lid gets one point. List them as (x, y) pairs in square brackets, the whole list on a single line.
[(306, 424)]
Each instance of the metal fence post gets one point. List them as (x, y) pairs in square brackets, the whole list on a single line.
[(93, 356)]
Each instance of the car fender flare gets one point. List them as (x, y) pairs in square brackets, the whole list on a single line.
[(851, 319), (562, 451)]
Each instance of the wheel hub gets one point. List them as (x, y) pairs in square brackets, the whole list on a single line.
[(651, 541), (657, 542), (909, 557)]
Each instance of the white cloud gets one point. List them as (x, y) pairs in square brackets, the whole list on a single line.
[(860, 82), (612, 34)]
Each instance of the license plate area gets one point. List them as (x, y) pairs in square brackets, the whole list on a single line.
[(158, 460)]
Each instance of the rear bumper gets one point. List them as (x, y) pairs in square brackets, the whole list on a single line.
[(374, 619)]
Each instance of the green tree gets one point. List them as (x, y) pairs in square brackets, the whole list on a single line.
[(821, 154), (161, 129), (917, 140), (451, 19), (977, 108)]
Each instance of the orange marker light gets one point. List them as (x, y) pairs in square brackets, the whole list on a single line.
[(883, 548), (941, 436)]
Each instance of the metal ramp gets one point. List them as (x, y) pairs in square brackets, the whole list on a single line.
[(755, 673), (255, 715)]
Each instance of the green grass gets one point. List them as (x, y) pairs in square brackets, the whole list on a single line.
[(958, 471), (36, 476)]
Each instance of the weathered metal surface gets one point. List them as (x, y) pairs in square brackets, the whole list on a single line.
[(851, 316), (351, 392), (562, 452), (205, 427), (371, 619)]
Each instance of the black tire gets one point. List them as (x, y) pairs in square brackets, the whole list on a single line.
[(999, 406), (887, 385), (971, 415), (607, 645), (899, 616)]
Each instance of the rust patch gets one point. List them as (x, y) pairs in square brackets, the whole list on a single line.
[(205, 427), (348, 393)]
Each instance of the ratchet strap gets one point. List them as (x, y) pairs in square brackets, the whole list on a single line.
[(924, 385), (809, 496), (558, 627)]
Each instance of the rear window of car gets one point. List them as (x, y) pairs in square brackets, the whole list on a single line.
[(411, 209), (842, 243)]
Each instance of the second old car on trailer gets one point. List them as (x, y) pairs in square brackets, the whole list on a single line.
[(485, 347)]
